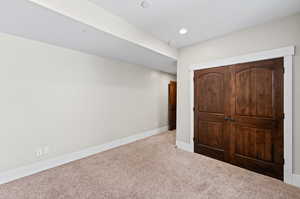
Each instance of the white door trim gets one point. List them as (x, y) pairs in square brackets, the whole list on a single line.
[(287, 53)]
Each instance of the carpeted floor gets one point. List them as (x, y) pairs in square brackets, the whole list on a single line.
[(149, 169)]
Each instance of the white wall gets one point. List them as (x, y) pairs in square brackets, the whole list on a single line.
[(67, 100), (272, 35)]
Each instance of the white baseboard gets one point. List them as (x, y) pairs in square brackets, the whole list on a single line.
[(296, 180), (51, 163), (185, 146)]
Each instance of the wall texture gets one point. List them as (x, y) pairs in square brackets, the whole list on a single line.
[(69, 101), (276, 34)]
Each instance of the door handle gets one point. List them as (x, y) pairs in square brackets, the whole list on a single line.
[(226, 118), (229, 119)]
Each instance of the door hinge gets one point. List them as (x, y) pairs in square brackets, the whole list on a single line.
[(194, 139), (283, 115), (194, 79), (194, 109)]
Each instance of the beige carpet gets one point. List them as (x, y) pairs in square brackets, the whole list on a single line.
[(151, 168)]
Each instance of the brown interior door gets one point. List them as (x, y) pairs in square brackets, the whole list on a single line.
[(239, 115), (172, 105)]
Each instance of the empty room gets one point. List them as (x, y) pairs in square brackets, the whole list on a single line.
[(149, 99)]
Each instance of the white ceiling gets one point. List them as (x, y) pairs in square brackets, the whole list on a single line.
[(120, 40), (29, 20), (205, 19)]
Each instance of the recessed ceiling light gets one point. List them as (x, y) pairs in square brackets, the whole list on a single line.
[(183, 31), (145, 4)]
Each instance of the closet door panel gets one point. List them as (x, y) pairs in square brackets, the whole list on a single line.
[(257, 127), (211, 129)]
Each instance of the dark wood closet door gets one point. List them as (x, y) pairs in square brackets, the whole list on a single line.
[(257, 129), (239, 115), (210, 111)]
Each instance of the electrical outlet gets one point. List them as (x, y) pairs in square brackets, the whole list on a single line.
[(39, 152), (42, 151)]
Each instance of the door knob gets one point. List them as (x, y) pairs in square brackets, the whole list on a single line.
[(229, 119)]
